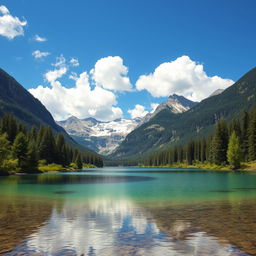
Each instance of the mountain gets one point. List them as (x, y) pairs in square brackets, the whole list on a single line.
[(16, 100), (105, 137), (174, 104), (166, 129)]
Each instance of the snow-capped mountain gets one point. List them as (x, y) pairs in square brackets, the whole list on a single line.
[(175, 104), (105, 137)]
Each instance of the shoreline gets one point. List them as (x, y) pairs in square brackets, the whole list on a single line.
[(246, 167)]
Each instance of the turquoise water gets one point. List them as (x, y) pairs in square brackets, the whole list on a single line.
[(129, 211)]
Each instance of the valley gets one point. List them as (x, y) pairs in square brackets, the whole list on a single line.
[(127, 128), (105, 137)]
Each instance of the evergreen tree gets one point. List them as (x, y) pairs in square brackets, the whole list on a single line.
[(220, 143), (9, 126), (79, 162), (47, 148), (32, 135), (40, 135), (252, 137), (32, 157), (203, 150), (190, 152), (234, 151), (7, 161), (60, 142), (20, 150), (5, 148), (244, 139)]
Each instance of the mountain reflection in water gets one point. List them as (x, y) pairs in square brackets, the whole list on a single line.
[(129, 211)]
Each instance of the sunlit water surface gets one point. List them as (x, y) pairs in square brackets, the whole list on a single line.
[(129, 211)]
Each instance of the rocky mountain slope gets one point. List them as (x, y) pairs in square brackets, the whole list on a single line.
[(105, 137), (166, 129)]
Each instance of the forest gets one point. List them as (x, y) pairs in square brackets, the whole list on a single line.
[(231, 144), (33, 150)]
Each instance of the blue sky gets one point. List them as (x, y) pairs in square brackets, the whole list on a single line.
[(218, 38)]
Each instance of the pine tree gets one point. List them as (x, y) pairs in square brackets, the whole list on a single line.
[(252, 136), (47, 148), (20, 150), (60, 142), (9, 126), (5, 148), (32, 157), (220, 143), (245, 132), (32, 135), (234, 151), (190, 152), (203, 150), (79, 162), (40, 135)]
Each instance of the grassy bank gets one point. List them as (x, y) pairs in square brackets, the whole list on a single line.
[(248, 166)]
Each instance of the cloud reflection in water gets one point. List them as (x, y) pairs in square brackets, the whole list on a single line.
[(116, 227)]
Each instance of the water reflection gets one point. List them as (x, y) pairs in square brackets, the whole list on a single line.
[(104, 226)]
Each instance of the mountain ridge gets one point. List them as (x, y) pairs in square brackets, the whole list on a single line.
[(105, 137), (166, 129)]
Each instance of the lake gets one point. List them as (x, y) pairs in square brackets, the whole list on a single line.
[(129, 211)]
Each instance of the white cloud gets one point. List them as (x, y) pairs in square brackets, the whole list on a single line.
[(110, 73), (39, 38), (74, 62), (52, 76), (3, 9), (38, 54), (153, 107), (81, 100), (60, 61), (182, 76), (138, 111), (10, 26)]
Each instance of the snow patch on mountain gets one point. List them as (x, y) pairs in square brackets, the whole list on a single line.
[(102, 137), (105, 137)]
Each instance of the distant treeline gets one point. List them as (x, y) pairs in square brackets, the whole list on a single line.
[(229, 145), (23, 149)]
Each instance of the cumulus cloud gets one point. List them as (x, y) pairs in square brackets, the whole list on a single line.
[(110, 73), (138, 111), (38, 54), (40, 39), (10, 26), (153, 107), (81, 100), (52, 76), (182, 76), (74, 62)]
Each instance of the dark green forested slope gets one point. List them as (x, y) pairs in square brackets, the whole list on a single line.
[(17, 101), (166, 129)]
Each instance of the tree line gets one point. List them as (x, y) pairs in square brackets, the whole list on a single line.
[(23, 149), (230, 144)]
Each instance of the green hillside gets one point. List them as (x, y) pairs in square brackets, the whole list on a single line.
[(167, 129)]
